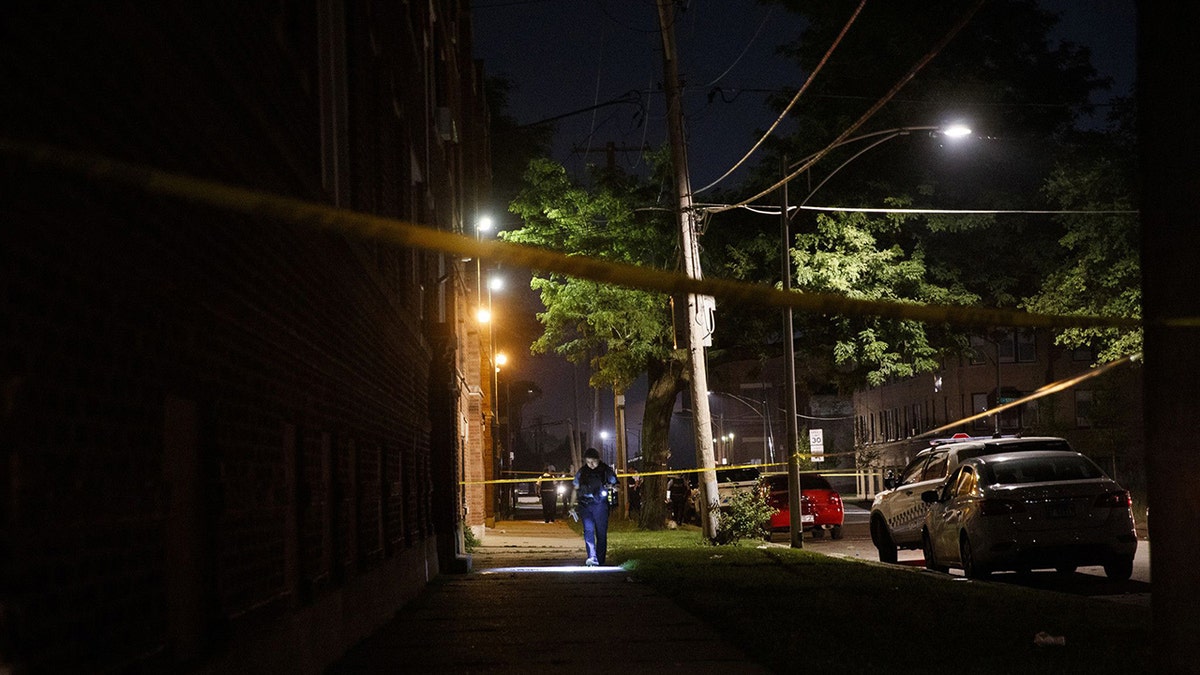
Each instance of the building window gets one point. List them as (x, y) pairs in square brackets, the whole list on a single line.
[(1083, 408), (1011, 346), (1082, 354), (978, 353), (979, 404), (1026, 346)]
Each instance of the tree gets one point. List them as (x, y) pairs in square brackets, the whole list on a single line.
[(620, 333), (1020, 93), (1101, 274), (850, 255)]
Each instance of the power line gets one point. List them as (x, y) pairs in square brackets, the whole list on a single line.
[(786, 110), (954, 30)]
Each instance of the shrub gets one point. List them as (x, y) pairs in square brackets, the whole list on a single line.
[(469, 540), (745, 517)]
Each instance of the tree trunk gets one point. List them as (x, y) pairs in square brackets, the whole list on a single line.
[(666, 380)]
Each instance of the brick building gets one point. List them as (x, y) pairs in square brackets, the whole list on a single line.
[(232, 443), (1101, 417)]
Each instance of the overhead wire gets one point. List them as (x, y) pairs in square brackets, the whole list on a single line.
[(595, 96), (745, 49), (792, 103), (891, 93)]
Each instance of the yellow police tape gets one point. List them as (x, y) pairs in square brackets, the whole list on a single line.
[(1048, 389), (670, 472), (390, 230)]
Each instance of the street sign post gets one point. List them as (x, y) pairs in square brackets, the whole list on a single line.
[(816, 444)]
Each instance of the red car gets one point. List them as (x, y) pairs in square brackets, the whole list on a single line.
[(820, 505)]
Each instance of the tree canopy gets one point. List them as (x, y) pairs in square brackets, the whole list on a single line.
[(1022, 95), (615, 330)]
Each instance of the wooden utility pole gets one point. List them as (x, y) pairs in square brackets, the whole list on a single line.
[(622, 455), (610, 152), (701, 420), (791, 431)]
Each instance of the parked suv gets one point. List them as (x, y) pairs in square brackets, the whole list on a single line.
[(733, 481), (898, 514)]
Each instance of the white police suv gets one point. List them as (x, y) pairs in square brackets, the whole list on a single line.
[(898, 513)]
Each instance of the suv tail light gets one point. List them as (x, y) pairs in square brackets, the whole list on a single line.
[(1114, 500), (1000, 507)]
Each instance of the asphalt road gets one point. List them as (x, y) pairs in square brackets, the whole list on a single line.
[(1090, 581)]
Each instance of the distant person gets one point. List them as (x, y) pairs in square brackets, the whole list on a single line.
[(548, 493), (680, 491), (567, 491), (592, 483), (635, 491)]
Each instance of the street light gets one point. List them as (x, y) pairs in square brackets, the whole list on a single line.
[(498, 359), (953, 131)]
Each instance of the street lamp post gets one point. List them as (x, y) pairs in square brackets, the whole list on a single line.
[(604, 443), (792, 430), (768, 437)]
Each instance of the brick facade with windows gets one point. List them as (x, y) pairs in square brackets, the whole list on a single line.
[(231, 443), (1101, 417)]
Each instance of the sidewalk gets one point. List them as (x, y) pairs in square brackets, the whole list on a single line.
[(528, 606)]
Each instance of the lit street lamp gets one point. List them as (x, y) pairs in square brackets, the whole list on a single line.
[(952, 131), (791, 429)]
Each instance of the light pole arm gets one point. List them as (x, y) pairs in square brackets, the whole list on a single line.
[(852, 158)]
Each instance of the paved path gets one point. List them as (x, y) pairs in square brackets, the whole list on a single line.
[(528, 606)]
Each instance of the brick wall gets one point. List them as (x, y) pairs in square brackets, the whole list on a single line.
[(217, 428)]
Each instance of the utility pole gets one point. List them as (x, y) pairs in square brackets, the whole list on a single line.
[(622, 453), (796, 524), (701, 420), (610, 152)]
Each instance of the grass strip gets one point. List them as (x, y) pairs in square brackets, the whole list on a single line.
[(791, 609)]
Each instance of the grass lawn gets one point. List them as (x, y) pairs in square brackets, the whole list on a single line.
[(795, 609)]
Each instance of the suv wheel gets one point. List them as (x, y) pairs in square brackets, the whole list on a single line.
[(883, 541), (818, 532), (836, 532), (970, 568), (1119, 569)]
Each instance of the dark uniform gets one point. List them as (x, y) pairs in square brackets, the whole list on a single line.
[(547, 489), (592, 484), (681, 491)]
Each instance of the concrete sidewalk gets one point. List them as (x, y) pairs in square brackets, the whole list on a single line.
[(529, 606)]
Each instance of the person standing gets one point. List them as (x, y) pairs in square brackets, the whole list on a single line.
[(680, 490), (635, 492), (548, 493), (592, 483)]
